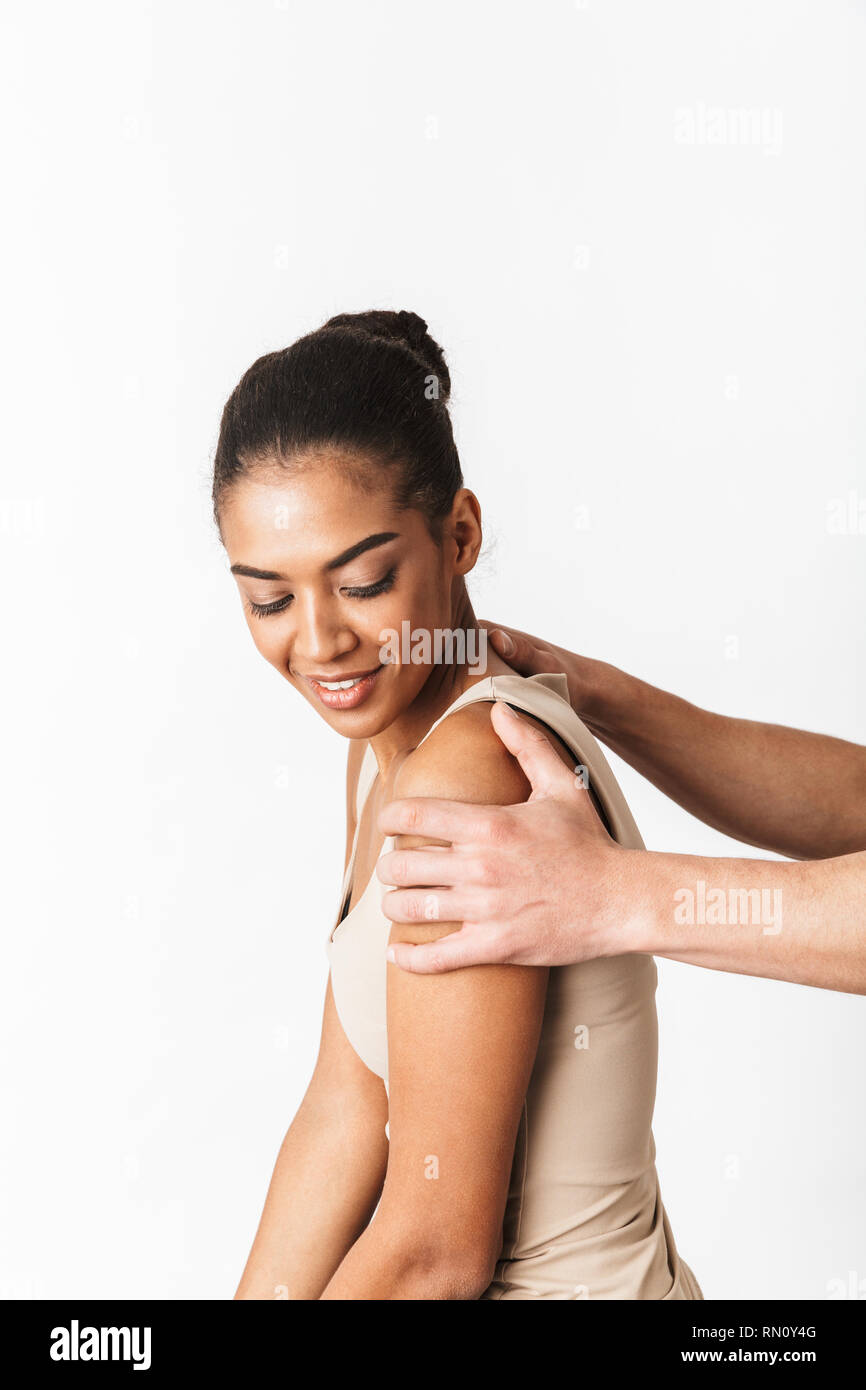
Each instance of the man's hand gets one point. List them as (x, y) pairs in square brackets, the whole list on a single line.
[(796, 793), (519, 878), (531, 656), (543, 884)]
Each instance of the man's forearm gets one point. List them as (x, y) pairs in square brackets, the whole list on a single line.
[(796, 793), (786, 921)]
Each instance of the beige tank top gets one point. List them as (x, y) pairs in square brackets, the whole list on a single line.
[(584, 1216)]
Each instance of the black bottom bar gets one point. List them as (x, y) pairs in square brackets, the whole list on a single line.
[(227, 1338)]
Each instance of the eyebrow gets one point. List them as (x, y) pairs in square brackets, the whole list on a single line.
[(359, 548)]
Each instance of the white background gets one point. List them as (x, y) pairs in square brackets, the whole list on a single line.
[(655, 332)]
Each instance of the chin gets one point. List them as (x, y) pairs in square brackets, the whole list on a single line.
[(365, 721), (361, 725)]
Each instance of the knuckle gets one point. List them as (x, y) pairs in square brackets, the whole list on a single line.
[(434, 958), (486, 906), (501, 831), (398, 866), (414, 907), (483, 871), (488, 826), (430, 911), (498, 829)]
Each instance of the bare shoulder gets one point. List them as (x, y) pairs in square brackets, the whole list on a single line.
[(465, 760)]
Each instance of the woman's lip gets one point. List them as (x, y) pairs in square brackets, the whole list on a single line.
[(343, 676), (346, 699)]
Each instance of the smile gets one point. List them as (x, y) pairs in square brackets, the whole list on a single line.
[(340, 685), (347, 693)]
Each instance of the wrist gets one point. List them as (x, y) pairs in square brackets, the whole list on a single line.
[(641, 903)]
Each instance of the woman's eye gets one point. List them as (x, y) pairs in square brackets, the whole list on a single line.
[(372, 590), (261, 610)]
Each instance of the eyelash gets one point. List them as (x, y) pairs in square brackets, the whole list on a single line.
[(263, 610)]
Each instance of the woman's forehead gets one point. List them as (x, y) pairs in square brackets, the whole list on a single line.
[(301, 522)]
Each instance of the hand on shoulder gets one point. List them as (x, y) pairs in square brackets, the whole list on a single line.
[(465, 760)]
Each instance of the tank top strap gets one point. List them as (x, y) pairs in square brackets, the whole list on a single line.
[(546, 698)]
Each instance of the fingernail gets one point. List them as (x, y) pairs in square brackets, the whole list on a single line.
[(508, 710), (389, 955), (504, 642)]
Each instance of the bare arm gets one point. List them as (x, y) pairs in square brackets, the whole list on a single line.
[(461, 1050), (785, 921), (331, 1165), (327, 1177), (796, 793)]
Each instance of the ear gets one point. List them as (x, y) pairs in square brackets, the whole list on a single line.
[(463, 525)]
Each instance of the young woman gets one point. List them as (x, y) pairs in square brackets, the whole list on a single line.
[(484, 1134)]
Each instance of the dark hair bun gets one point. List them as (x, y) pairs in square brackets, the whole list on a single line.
[(402, 326), (413, 326), (374, 384)]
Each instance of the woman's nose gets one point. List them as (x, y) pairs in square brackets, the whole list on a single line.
[(319, 639)]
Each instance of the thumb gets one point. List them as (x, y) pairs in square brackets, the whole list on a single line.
[(468, 946), (521, 653), (546, 771)]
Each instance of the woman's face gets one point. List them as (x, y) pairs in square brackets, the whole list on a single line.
[(327, 567)]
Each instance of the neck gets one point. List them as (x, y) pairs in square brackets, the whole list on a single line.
[(445, 684)]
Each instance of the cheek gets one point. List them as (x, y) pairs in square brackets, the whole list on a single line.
[(430, 603), (270, 638), (424, 600), (409, 608)]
